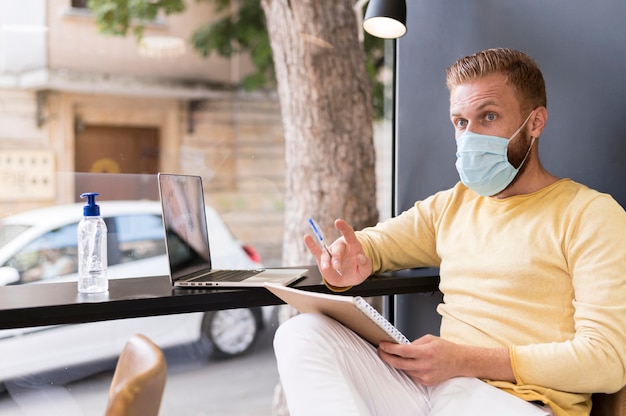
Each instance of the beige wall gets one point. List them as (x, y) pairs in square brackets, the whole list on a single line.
[(237, 146), (74, 44), (21, 137)]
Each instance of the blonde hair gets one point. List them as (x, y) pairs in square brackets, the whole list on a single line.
[(521, 71)]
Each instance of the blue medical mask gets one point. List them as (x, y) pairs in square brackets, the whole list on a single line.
[(483, 164)]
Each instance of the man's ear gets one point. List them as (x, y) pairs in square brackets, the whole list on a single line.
[(538, 121)]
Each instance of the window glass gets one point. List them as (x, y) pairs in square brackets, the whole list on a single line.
[(139, 236), (47, 257), (9, 231), (79, 4), (110, 119)]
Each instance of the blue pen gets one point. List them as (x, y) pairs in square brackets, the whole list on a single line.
[(320, 238)]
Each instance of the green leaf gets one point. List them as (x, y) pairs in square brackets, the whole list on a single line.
[(115, 17)]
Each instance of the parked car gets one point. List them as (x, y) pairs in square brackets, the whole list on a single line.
[(136, 248)]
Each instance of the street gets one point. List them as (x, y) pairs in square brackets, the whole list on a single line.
[(195, 386)]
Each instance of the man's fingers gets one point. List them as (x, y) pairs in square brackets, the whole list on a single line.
[(322, 258), (313, 247), (347, 231)]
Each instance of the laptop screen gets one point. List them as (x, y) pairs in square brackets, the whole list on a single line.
[(184, 221)]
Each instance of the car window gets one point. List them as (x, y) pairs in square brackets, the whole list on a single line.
[(9, 231), (139, 236), (49, 256)]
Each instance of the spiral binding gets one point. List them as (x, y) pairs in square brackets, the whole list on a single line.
[(381, 321)]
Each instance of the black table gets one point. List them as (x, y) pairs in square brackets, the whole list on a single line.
[(60, 303)]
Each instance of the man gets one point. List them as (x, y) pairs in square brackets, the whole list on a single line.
[(532, 270), (52, 264)]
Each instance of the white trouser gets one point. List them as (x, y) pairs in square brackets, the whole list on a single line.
[(326, 369)]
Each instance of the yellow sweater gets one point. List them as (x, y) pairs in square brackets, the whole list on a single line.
[(543, 274)]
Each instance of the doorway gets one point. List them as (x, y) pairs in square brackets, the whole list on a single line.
[(103, 153)]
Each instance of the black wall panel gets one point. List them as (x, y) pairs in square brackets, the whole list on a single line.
[(580, 45)]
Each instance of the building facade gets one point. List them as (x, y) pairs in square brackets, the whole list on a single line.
[(85, 112), (76, 104)]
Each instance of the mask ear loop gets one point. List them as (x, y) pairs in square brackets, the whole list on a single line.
[(531, 143), (521, 127)]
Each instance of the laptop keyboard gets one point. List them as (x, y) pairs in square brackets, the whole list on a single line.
[(226, 276)]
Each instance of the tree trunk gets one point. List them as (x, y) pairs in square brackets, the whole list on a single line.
[(326, 105)]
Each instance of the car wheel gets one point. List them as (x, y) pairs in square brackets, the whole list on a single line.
[(232, 331)]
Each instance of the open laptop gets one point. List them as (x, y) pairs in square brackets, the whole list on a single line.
[(187, 241)]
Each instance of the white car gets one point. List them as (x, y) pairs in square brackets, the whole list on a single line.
[(136, 248)]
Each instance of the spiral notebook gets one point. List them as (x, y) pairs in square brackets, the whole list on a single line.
[(352, 311)]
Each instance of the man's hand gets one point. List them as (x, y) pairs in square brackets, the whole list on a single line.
[(431, 360), (348, 257)]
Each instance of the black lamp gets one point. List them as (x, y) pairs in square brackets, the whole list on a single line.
[(385, 18)]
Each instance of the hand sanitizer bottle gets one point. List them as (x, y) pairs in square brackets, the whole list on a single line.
[(92, 248)]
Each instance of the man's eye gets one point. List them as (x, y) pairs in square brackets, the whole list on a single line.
[(490, 117), (461, 123)]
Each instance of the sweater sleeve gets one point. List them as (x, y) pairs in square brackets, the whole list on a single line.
[(594, 360), (405, 241)]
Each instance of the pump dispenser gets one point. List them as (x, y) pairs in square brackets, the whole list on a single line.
[(92, 248)]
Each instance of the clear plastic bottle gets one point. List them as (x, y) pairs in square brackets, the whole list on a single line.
[(92, 249)]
